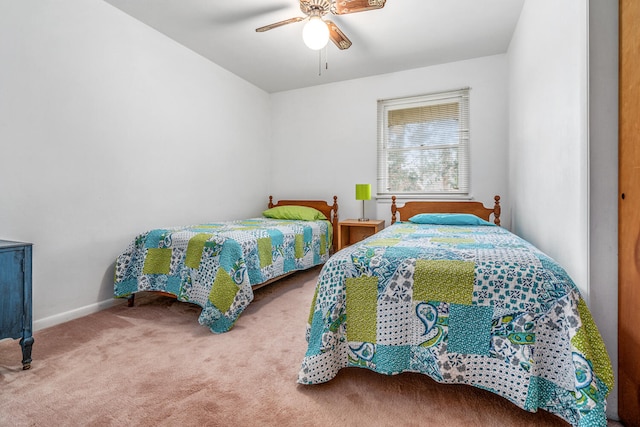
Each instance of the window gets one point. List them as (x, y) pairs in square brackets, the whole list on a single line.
[(423, 145)]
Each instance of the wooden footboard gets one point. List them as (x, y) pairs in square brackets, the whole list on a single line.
[(476, 208)]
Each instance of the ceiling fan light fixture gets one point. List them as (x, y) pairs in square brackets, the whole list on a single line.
[(315, 33)]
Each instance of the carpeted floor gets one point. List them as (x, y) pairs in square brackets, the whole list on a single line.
[(154, 365)]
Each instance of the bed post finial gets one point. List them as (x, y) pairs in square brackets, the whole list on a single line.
[(335, 208), (497, 210), (270, 202), (394, 208)]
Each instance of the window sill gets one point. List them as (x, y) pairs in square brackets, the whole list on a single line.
[(387, 197)]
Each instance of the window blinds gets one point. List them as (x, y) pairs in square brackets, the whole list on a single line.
[(423, 145)]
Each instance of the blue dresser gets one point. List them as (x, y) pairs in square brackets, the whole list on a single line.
[(15, 296)]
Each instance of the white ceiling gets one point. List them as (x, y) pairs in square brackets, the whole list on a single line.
[(405, 34)]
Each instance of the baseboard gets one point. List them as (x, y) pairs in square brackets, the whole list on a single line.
[(72, 314)]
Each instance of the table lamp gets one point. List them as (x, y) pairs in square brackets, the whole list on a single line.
[(363, 192)]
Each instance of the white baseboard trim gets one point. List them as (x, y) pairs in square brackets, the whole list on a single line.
[(71, 315)]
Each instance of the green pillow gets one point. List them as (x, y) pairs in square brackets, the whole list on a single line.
[(303, 213)]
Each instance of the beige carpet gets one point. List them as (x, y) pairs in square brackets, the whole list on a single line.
[(154, 365)]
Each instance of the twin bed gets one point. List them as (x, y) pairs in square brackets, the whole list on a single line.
[(218, 265), (442, 291), (462, 300)]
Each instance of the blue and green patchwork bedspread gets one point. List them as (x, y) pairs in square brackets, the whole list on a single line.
[(214, 265), (474, 305)]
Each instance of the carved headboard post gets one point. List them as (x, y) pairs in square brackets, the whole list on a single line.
[(334, 223), (270, 202), (394, 208), (497, 210)]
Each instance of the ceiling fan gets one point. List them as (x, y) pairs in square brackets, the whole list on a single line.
[(318, 31)]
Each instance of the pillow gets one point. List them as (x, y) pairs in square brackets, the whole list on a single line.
[(448, 219), (303, 213)]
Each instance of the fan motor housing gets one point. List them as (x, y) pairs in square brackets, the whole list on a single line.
[(309, 6)]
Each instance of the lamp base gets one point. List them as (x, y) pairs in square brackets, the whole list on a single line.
[(362, 219)]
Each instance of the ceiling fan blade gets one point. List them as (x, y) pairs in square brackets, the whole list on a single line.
[(337, 36), (280, 24), (342, 7)]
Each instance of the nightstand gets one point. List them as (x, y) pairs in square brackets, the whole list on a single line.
[(15, 295), (352, 231)]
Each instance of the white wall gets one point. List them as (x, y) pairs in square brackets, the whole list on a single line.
[(334, 127), (603, 176), (562, 146), (548, 132), (107, 129)]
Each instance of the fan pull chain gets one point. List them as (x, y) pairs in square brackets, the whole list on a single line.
[(326, 58)]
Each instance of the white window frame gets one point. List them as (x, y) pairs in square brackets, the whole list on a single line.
[(460, 96)]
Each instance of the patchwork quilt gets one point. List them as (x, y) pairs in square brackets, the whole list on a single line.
[(475, 305), (214, 265)]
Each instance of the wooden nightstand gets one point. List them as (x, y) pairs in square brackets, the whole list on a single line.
[(352, 231)]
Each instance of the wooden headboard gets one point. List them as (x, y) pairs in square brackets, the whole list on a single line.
[(330, 211), (476, 208)]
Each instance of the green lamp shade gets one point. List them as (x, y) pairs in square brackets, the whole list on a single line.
[(363, 191)]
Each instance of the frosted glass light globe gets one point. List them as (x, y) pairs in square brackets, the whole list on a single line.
[(315, 33)]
